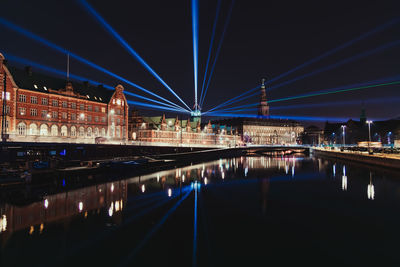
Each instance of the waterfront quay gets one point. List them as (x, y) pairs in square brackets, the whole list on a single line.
[(378, 159)]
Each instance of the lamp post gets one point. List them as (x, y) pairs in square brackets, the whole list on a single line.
[(369, 136), (343, 128)]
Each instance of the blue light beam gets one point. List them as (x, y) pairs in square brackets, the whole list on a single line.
[(81, 79), (330, 52), (211, 45), (55, 47), (218, 50), (195, 32), (128, 47), (133, 254)]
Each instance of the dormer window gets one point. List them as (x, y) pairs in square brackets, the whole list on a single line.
[(45, 88), (36, 87)]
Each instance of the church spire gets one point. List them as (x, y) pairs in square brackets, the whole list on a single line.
[(263, 108)]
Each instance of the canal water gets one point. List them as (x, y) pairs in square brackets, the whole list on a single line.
[(249, 211)]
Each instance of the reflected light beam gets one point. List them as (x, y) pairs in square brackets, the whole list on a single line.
[(132, 255), (127, 47)]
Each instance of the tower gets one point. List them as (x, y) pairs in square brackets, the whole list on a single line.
[(263, 108)]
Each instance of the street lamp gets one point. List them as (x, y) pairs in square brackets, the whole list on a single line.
[(343, 128), (369, 136)]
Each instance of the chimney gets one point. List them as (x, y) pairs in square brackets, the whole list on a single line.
[(28, 70)]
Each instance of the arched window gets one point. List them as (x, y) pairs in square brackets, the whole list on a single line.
[(103, 132), (44, 130), (81, 131), (73, 131), (89, 131), (33, 129), (96, 131), (64, 130), (21, 128), (54, 130), (112, 129)]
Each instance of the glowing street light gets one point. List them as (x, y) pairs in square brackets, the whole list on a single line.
[(369, 136), (343, 128)]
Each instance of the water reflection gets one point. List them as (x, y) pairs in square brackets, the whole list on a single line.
[(109, 201)]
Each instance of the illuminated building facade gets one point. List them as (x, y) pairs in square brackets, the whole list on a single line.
[(172, 131), (41, 108)]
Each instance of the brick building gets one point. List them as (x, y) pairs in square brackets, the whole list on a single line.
[(40, 108)]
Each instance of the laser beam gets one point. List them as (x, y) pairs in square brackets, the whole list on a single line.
[(330, 52), (211, 45), (195, 32), (55, 47), (124, 44), (218, 50), (81, 79)]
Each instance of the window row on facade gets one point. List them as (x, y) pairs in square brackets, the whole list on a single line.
[(56, 103), (54, 130), (64, 115)]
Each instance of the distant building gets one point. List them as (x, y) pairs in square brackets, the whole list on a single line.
[(40, 108), (385, 132), (312, 135), (173, 131), (263, 130)]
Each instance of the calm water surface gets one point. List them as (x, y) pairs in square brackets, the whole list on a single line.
[(248, 211)]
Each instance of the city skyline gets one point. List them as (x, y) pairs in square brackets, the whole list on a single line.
[(292, 38)]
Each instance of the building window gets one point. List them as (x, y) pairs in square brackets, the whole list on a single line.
[(82, 107), (32, 129), (118, 111), (8, 109), (45, 101), (103, 132), (55, 103), (96, 118), (113, 101), (54, 130), (33, 112), (118, 102), (43, 130), (64, 130), (118, 132), (54, 114), (22, 111), (7, 95), (89, 107), (89, 118), (73, 105), (81, 131), (21, 128), (34, 99), (64, 115), (103, 119), (64, 104), (44, 113), (73, 131), (73, 116), (118, 121), (22, 98), (96, 131), (103, 109), (96, 108), (89, 131)]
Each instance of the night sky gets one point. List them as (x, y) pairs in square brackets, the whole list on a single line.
[(264, 39)]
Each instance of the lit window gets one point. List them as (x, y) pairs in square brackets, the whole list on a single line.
[(22, 98), (100, 99), (22, 111), (7, 95), (88, 96), (118, 101), (36, 87), (45, 88)]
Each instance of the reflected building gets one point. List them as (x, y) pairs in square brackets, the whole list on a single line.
[(63, 206)]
